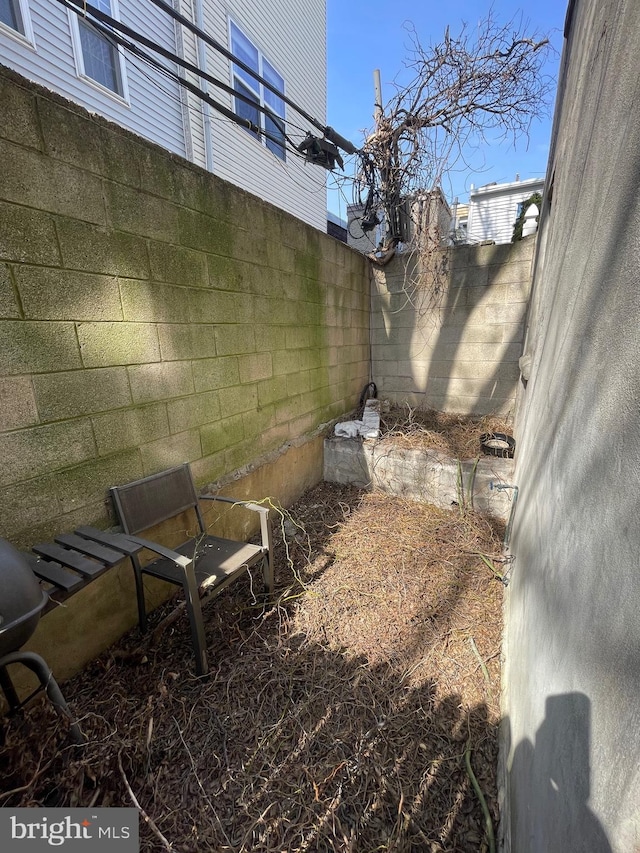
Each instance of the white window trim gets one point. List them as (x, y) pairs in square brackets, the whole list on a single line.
[(79, 59), (27, 36), (262, 140)]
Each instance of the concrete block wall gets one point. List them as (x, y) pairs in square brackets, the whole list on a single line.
[(447, 332), (151, 314)]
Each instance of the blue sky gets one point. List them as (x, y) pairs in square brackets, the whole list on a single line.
[(362, 36)]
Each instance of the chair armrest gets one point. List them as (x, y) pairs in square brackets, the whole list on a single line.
[(246, 504), (176, 558), (263, 511)]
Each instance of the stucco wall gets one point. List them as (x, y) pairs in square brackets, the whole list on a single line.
[(449, 336), (572, 674)]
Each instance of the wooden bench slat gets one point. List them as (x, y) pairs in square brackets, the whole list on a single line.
[(93, 549), (54, 573), (113, 540), (76, 561)]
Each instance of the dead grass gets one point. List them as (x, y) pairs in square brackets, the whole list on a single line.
[(336, 720), (454, 434)]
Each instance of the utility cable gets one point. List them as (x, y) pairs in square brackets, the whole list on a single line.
[(105, 29)]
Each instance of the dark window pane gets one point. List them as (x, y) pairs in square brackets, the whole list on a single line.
[(275, 128), (10, 15), (100, 58), (245, 110)]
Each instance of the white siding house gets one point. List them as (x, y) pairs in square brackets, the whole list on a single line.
[(494, 209), (283, 40)]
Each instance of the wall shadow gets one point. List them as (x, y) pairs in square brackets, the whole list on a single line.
[(549, 784)]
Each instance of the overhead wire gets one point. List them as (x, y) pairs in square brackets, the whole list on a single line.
[(114, 31)]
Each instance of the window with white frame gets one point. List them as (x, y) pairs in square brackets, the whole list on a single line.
[(271, 122), (15, 15), (97, 57)]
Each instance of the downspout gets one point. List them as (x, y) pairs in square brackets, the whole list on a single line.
[(204, 85)]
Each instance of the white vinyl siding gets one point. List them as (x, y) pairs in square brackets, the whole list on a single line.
[(292, 35), (154, 108), (493, 210)]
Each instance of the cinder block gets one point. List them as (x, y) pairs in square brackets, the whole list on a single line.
[(71, 136), (169, 451), (298, 383), (104, 344), (130, 427), (216, 437), (34, 347), (268, 338), (277, 311), (149, 301), (48, 293), (508, 313), (255, 367), (243, 398), (154, 382), (9, 307), (258, 422), (187, 412), (27, 236), (36, 180), (212, 373), (183, 342), (219, 306), (272, 390), (89, 483), (81, 392), (17, 403), (93, 249), (234, 339), (24, 506), (41, 450), (509, 273), (20, 120), (203, 233), (178, 265), (137, 212)]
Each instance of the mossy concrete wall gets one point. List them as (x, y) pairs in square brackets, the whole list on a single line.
[(447, 329), (152, 314)]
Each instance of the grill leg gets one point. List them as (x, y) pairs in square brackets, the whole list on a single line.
[(8, 689), (39, 666)]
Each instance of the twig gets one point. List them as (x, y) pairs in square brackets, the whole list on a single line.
[(483, 667), (148, 820), (488, 824)]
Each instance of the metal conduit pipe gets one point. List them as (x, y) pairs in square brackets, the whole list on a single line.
[(501, 487)]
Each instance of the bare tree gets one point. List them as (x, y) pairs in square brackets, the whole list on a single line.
[(487, 82)]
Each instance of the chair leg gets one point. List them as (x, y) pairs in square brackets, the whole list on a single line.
[(194, 610), (39, 666), (267, 573), (142, 610)]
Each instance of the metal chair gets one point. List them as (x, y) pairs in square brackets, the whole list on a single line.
[(204, 562)]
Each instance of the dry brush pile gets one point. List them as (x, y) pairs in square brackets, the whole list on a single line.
[(358, 713)]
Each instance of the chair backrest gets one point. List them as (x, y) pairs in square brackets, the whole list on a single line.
[(154, 499)]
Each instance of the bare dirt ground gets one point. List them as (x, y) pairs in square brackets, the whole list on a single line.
[(357, 713)]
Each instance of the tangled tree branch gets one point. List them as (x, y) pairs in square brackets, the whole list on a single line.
[(466, 89)]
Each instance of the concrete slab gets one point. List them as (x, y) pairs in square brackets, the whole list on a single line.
[(428, 476)]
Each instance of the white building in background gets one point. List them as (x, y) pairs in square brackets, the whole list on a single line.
[(493, 209), (283, 40)]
